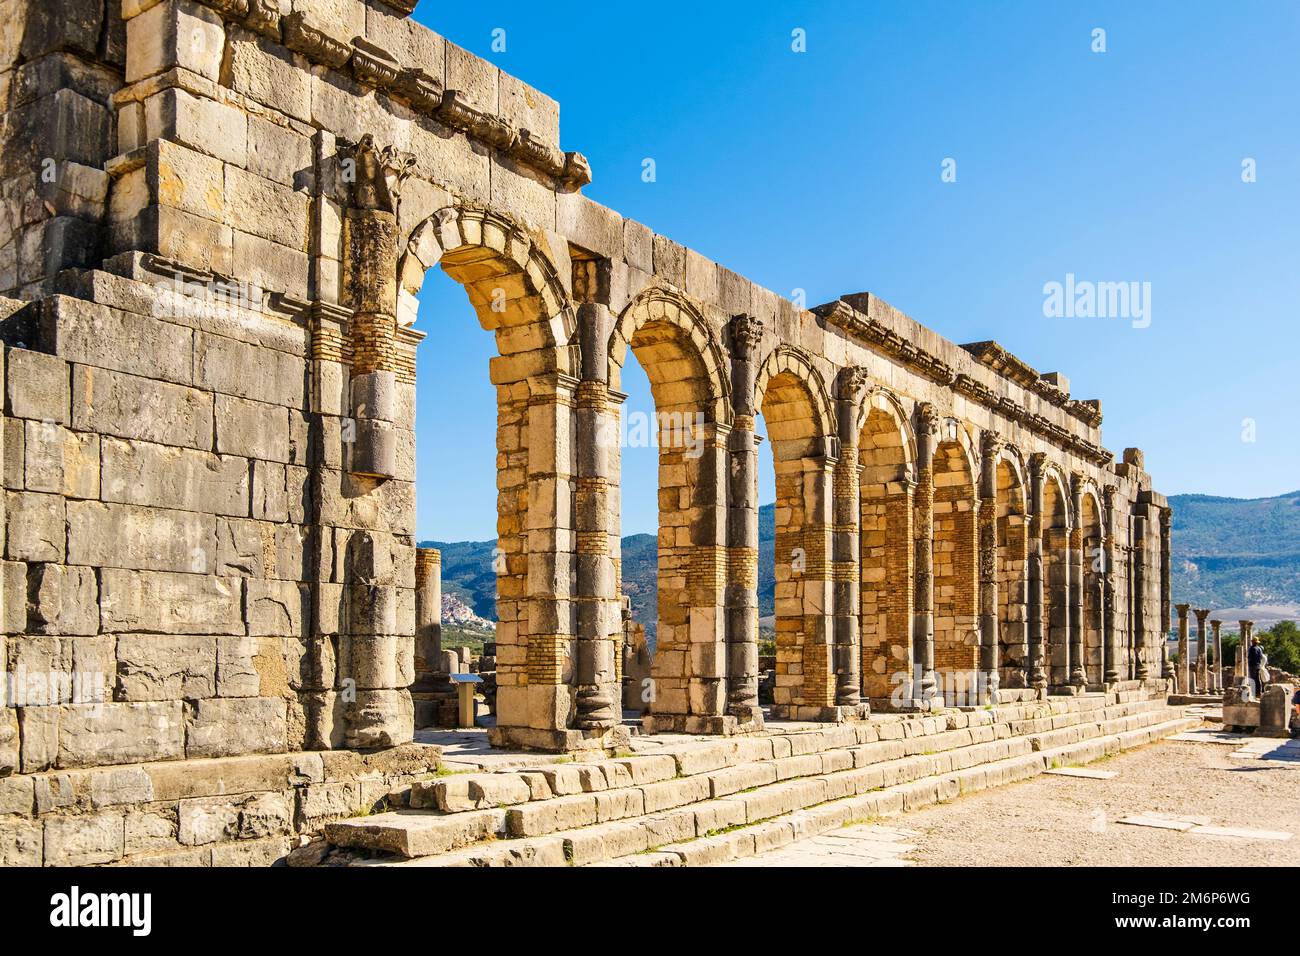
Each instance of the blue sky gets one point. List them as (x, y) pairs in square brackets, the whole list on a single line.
[(822, 171)]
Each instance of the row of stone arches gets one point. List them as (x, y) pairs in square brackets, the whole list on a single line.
[(911, 561)]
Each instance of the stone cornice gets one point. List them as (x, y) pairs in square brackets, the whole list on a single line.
[(882, 339), (424, 93)]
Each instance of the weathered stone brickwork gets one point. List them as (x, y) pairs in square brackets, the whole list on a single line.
[(214, 222)]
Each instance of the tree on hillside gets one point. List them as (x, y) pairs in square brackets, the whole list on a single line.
[(1282, 645)]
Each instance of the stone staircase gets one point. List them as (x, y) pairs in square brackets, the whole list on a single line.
[(677, 800)]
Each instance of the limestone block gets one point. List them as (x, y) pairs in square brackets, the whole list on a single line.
[(590, 225), (340, 19), (62, 599), (265, 208), (266, 73), (278, 154), (479, 791), (35, 527), (148, 830), (264, 815), (252, 429), (549, 816), (145, 473), (522, 193), (270, 266), (380, 718), (525, 108), (113, 733), (175, 234), (188, 180), (474, 79), (43, 456), (214, 128), (130, 407), (9, 756), (270, 501), (84, 840), (13, 580), (375, 662), (166, 602), (110, 788), (449, 156), (75, 190), (207, 821), (80, 465), (408, 42), (21, 843), (14, 453), (37, 386), (175, 33), (222, 727), (102, 534), (165, 667), (237, 674), (275, 607)]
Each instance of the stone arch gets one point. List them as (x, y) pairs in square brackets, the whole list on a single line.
[(887, 557), (794, 402), (1012, 516), (513, 284), (517, 294), (1055, 536), (1089, 521), (676, 347), (956, 563), (685, 366)]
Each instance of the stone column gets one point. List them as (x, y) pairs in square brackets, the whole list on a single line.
[(742, 525), (1216, 676), (1110, 630), (1202, 652), (598, 619), (927, 432), (1166, 545), (1243, 648), (1184, 665), (1137, 597), (990, 631), (428, 609), (1037, 626), (1075, 585), (845, 541)]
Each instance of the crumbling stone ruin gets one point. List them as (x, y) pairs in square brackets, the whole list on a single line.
[(217, 217)]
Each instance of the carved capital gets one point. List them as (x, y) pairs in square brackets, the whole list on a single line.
[(927, 419), (1038, 465), (991, 443), (746, 332), (377, 174), (852, 381)]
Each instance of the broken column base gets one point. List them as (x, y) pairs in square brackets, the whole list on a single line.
[(722, 725), (560, 741), (434, 697)]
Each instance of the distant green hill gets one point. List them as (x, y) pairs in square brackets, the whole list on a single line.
[(1236, 552), (1228, 553)]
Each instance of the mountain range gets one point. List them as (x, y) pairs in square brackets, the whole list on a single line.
[(1238, 556)]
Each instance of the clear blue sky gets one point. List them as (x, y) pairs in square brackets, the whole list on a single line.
[(822, 171)]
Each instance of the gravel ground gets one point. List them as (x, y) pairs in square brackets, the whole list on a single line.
[(1067, 821)]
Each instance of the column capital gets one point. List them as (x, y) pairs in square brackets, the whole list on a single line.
[(746, 333), (851, 382), (927, 420), (1201, 614), (1182, 609), (991, 443), (1037, 465)]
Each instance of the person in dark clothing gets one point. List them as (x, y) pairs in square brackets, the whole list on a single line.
[(1255, 661)]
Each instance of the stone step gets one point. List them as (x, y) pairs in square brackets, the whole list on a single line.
[(631, 819), (509, 787)]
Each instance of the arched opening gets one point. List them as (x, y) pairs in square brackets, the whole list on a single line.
[(794, 410), (1056, 578), (1012, 574), (687, 399), (516, 294), (886, 552), (1094, 648), (956, 575)]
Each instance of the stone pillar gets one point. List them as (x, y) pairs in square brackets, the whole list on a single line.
[(1109, 624), (742, 526), (428, 609), (927, 432), (1202, 652), (1075, 585), (1137, 597), (599, 619), (1037, 626), (1243, 649), (816, 697), (1166, 545), (845, 541), (1216, 675), (990, 631), (1184, 665)]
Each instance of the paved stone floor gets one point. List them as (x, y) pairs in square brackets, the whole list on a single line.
[(1074, 821)]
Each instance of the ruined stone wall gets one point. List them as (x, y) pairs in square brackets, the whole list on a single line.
[(217, 218)]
